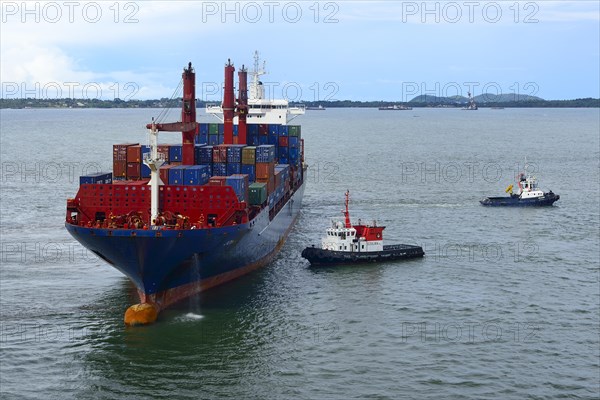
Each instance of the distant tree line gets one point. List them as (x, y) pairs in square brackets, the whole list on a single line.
[(176, 103)]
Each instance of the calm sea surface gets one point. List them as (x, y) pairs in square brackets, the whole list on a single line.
[(505, 304)]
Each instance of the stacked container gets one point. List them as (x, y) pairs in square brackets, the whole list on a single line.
[(257, 193), (239, 183), (176, 175), (196, 175), (120, 160)]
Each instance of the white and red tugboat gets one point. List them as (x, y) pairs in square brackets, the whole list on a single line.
[(346, 243)]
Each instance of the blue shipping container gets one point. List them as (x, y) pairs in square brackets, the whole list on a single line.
[(285, 168), (252, 129), (221, 139), (233, 168), (208, 168), (265, 153), (175, 153), (201, 138), (221, 129), (249, 170), (239, 183), (219, 169), (101, 177), (234, 153), (235, 130), (203, 154), (263, 140), (145, 171), (274, 130), (213, 140), (283, 160), (176, 175), (203, 128), (294, 154), (196, 175), (272, 200), (252, 140), (283, 130), (282, 152), (294, 141)]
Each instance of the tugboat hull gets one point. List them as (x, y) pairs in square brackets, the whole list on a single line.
[(547, 200), (321, 257)]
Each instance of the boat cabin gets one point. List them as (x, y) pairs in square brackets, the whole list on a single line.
[(528, 187)]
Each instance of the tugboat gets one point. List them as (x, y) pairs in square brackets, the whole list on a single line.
[(529, 195), (346, 243)]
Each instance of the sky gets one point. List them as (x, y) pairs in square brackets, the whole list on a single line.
[(314, 50)]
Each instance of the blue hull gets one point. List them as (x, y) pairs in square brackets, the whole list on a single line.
[(547, 200), (163, 261)]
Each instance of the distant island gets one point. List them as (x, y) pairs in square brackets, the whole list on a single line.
[(486, 100)]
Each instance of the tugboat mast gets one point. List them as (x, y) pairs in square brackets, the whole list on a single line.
[(346, 212)]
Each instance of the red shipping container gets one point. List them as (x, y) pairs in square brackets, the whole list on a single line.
[(220, 153), (265, 170), (218, 181), (283, 141), (120, 151), (134, 154), (270, 183), (263, 129), (133, 170), (164, 150), (120, 169)]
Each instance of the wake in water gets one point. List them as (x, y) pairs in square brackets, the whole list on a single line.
[(190, 317)]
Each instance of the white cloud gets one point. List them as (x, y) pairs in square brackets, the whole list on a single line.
[(37, 53)]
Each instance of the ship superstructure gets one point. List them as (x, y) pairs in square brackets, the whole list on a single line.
[(261, 110)]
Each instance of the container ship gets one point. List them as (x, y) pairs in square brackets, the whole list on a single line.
[(179, 219)]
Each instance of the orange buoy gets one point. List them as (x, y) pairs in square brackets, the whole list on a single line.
[(141, 314)]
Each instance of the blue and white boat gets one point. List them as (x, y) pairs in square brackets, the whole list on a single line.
[(529, 195)]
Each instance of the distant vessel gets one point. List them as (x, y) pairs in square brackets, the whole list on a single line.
[(319, 108), (395, 107), (346, 243), (471, 105), (529, 195)]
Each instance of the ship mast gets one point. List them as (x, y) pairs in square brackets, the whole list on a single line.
[(346, 212), (154, 161), (187, 127), (256, 89)]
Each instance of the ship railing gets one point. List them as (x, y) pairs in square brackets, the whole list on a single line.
[(398, 247), (297, 109), (160, 157)]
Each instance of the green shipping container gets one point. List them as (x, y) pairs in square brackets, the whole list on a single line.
[(249, 155), (294, 130), (213, 129), (257, 193)]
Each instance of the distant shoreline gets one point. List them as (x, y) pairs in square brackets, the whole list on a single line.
[(176, 103)]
